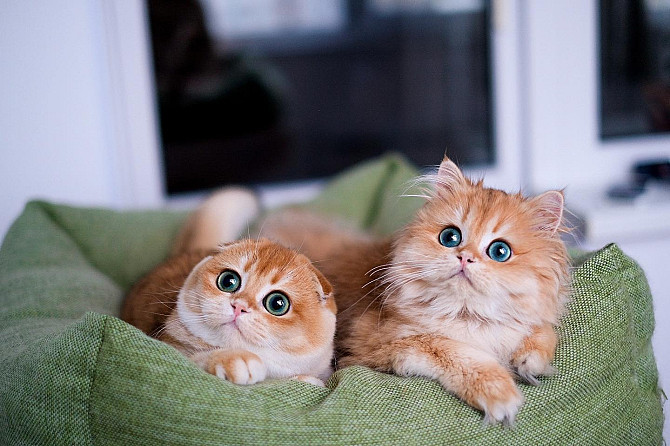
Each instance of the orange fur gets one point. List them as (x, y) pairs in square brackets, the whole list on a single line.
[(533, 357), (232, 334), (412, 306)]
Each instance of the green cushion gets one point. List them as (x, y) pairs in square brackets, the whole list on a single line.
[(72, 373)]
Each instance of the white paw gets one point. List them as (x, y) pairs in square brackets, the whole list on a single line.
[(531, 365), (499, 398), (502, 410), (309, 379), (245, 369)]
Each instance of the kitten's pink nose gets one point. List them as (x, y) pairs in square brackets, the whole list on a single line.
[(238, 309), (465, 258)]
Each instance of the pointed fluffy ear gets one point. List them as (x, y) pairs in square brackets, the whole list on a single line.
[(449, 176), (548, 210), (223, 245)]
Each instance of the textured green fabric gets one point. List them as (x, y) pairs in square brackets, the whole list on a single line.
[(72, 373), (370, 195)]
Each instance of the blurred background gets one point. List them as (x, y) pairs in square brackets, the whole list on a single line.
[(144, 104)]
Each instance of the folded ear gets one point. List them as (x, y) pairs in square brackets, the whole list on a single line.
[(324, 287), (449, 176), (192, 276), (548, 211), (325, 290)]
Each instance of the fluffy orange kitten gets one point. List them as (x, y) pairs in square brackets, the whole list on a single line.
[(245, 311), (467, 294)]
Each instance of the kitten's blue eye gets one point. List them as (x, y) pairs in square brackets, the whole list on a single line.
[(499, 251), (450, 237), (228, 281), (276, 303)]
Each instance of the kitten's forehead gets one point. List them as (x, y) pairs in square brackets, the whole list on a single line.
[(483, 213), (271, 271), (271, 265), (481, 209)]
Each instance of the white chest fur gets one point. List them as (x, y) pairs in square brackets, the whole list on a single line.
[(493, 327)]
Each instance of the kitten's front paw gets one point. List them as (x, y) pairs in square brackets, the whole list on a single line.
[(236, 366), (497, 396), (534, 355), (532, 363)]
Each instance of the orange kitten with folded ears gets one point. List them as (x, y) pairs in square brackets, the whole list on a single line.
[(245, 311), (467, 294)]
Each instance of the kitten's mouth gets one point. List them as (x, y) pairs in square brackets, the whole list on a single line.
[(461, 275), (222, 324), (233, 323)]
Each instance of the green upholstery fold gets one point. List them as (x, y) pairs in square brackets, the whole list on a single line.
[(371, 195), (72, 373)]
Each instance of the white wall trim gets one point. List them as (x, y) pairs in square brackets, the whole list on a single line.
[(135, 133), (506, 59)]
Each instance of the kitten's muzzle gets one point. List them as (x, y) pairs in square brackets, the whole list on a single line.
[(238, 308), (465, 258)]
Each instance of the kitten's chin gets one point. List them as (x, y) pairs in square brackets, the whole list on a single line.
[(229, 336)]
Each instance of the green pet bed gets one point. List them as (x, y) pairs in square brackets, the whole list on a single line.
[(72, 373)]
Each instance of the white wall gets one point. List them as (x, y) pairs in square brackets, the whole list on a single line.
[(63, 124), (54, 142)]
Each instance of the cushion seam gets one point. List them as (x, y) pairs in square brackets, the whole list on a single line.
[(576, 271), (94, 375), (636, 352)]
